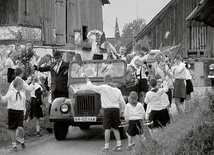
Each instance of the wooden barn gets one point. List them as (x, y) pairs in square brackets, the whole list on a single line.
[(49, 22), (197, 38)]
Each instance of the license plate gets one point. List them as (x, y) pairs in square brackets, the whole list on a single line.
[(85, 119)]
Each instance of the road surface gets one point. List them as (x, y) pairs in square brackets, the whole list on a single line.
[(77, 142)]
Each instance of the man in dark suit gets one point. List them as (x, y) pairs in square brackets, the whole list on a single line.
[(59, 76)]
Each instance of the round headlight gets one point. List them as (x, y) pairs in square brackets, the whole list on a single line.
[(64, 108)]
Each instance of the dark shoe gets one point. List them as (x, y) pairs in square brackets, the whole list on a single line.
[(15, 148), (49, 130), (38, 134), (117, 148), (23, 145), (129, 148)]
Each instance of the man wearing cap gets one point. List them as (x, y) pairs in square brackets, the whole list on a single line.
[(59, 76)]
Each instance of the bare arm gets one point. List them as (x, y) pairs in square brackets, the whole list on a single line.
[(92, 87), (5, 98), (122, 103)]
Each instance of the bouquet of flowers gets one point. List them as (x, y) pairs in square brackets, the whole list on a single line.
[(23, 60)]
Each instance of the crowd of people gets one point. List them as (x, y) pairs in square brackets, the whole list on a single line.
[(152, 88), (31, 80)]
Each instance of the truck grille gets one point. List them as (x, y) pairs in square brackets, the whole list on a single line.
[(86, 105)]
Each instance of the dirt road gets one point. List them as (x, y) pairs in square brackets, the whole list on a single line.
[(77, 142)]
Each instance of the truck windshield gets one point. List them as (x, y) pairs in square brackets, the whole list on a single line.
[(91, 69)]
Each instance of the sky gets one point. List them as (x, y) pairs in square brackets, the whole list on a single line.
[(128, 10)]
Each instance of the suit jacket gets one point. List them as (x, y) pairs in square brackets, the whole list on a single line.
[(58, 80)]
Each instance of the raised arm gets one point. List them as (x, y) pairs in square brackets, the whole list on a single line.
[(92, 87), (6, 97)]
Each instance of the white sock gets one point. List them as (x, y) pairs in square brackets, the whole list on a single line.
[(37, 128), (14, 144), (119, 143), (129, 144), (106, 145)]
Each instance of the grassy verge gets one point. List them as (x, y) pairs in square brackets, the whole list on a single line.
[(4, 134), (189, 134), (30, 127)]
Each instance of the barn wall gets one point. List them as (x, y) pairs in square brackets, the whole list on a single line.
[(57, 19), (8, 12), (173, 19), (197, 38)]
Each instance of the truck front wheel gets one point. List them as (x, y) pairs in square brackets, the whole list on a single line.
[(60, 131)]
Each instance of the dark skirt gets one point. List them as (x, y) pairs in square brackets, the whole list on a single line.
[(179, 89), (142, 85), (15, 119), (160, 118), (189, 87), (135, 127), (169, 94), (35, 108), (10, 75)]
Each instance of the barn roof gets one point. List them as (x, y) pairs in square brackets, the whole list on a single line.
[(151, 23), (105, 2), (203, 12)]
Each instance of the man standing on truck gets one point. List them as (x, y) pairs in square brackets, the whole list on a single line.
[(113, 103), (59, 77)]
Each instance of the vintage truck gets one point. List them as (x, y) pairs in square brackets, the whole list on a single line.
[(83, 107)]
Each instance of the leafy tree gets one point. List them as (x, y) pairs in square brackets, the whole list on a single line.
[(133, 28)]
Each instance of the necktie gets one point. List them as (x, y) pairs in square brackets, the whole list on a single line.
[(18, 95), (56, 67)]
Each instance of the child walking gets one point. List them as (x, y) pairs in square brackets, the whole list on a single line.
[(15, 99), (156, 110), (134, 113), (37, 105)]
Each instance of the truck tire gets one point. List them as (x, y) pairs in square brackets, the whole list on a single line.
[(122, 133), (84, 127), (60, 131)]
